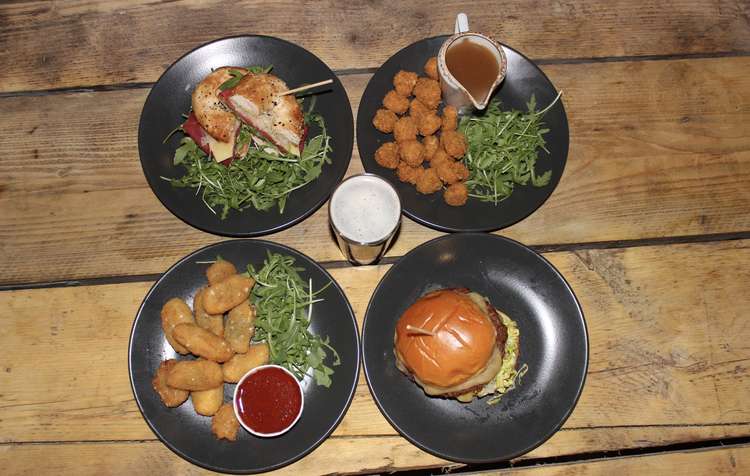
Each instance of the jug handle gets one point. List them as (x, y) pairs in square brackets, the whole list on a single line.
[(462, 24)]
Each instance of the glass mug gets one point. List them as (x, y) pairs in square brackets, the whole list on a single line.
[(365, 214)]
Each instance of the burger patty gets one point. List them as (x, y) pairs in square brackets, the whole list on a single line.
[(500, 339)]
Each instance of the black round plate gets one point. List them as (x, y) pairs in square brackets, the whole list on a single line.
[(554, 345), (189, 434), (523, 79), (170, 98)]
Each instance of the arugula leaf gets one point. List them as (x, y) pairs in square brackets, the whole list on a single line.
[(284, 306), (503, 148)]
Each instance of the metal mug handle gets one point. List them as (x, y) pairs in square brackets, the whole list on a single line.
[(462, 24)]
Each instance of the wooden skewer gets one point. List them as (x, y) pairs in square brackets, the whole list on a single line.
[(419, 330), (306, 87)]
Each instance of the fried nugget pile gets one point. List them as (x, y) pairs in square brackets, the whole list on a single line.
[(408, 118), (217, 331)]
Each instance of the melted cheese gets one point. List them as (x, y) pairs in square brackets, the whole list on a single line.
[(221, 151)]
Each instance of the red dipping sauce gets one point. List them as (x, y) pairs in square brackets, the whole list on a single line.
[(268, 400)]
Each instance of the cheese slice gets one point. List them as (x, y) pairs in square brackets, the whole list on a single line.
[(221, 151)]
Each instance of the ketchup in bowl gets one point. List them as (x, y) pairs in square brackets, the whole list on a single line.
[(268, 400)]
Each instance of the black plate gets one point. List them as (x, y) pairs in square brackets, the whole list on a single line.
[(523, 79), (189, 434), (170, 98), (554, 345)]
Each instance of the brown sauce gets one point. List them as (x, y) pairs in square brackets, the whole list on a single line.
[(473, 65)]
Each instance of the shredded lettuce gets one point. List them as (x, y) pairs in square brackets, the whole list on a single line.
[(506, 378)]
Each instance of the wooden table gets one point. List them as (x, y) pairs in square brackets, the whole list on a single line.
[(650, 223)]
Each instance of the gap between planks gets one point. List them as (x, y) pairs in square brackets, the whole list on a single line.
[(353, 71), (390, 260)]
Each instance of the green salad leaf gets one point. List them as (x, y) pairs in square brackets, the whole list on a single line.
[(284, 306), (503, 148)]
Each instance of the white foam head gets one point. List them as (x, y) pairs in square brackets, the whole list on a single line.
[(365, 209)]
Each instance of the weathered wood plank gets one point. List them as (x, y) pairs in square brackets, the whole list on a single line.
[(347, 456), (646, 141), (669, 355), (79, 43)]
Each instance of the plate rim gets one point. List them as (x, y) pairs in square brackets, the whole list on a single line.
[(477, 229), (586, 346), (348, 150), (334, 424)]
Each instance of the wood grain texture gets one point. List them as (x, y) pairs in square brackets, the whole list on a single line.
[(74, 202), (344, 456), (47, 45), (668, 341)]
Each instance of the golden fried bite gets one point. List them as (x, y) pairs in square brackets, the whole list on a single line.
[(404, 82), (384, 120), (224, 424), (429, 123), (227, 293), (439, 156), (175, 312), (428, 182), (430, 68), (417, 109), (387, 155), (240, 364), (219, 270), (202, 343), (405, 129), (211, 322), (411, 152), (428, 92), (450, 118), (450, 171), (195, 375), (395, 102), (240, 327), (171, 397), (431, 145), (208, 402), (456, 194), (454, 143), (407, 173)]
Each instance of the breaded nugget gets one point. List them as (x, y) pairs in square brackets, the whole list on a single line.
[(450, 118), (404, 82), (430, 68), (208, 402), (240, 364), (195, 375), (429, 123), (220, 270), (411, 152), (174, 312), (454, 143), (428, 182), (203, 343), (405, 129), (407, 173), (224, 424), (240, 327), (417, 109), (439, 156), (387, 155), (171, 397), (395, 102), (456, 194), (450, 171), (431, 145), (428, 92), (211, 322), (227, 293), (384, 120)]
